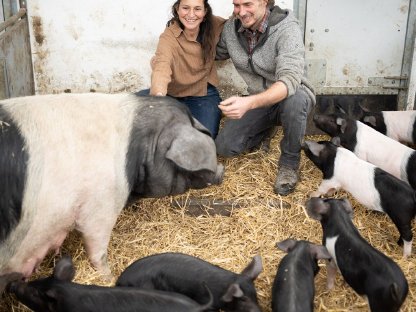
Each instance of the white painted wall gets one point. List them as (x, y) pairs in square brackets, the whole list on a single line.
[(83, 45)]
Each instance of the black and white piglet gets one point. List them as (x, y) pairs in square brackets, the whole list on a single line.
[(398, 125), (58, 294), (293, 288), (371, 186), (185, 274), (370, 145), (368, 271)]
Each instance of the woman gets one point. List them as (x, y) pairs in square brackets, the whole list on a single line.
[(183, 66)]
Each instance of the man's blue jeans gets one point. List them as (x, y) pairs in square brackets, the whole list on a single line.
[(240, 135), (203, 108)]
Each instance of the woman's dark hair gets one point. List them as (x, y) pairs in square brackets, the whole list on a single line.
[(206, 33)]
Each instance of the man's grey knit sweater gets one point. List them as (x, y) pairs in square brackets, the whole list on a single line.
[(278, 55)]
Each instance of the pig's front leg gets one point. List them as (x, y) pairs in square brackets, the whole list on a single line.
[(331, 271), (327, 187)]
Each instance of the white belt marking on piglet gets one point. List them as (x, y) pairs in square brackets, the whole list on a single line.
[(330, 245)]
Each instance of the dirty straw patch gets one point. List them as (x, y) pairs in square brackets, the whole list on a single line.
[(228, 224)]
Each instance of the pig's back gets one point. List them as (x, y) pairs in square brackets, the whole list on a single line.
[(400, 125), (382, 151), (72, 141), (357, 178)]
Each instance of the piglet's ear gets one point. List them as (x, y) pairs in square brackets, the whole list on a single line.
[(316, 207), (343, 123), (364, 109), (233, 291), (193, 150), (254, 268), (340, 109), (319, 252), (314, 147), (52, 293), (64, 269), (336, 141), (287, 244), (347, 207), (371, 120)]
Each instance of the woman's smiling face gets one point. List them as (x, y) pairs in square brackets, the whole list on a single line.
[(191, 13)]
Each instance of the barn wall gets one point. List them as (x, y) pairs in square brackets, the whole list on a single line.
[(84, 45)]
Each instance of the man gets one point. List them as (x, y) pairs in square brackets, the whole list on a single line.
[(266, 47)]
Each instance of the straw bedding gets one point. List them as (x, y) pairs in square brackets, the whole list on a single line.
[(257, 219)]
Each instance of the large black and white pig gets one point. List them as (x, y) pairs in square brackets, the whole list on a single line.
[(72, 161), (371, 186), (370, 145), (184, 274), (368, 271), (398, 125), (293, 287), (57, 293)]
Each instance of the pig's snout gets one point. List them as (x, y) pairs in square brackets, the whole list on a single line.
[(219, 174)]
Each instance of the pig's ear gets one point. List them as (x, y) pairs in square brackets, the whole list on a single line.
[(371, 120), (314, 147), (287, 244), (64, 269), (347, 207), (233, 291), (336, 141), (363, 108), (342, 123), (319, 252), (316, 207), (193, 150), (200, 127), (254, 268), (395, 292), (340, 109)]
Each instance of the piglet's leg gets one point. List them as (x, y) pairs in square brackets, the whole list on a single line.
[(406, 234), (331, 269), (407, 248)]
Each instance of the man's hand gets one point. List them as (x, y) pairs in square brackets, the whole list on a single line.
[(235, 107)]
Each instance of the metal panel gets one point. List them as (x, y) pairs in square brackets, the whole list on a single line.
[(405, 100), (411, 93), (359, 40), (15, 49)]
